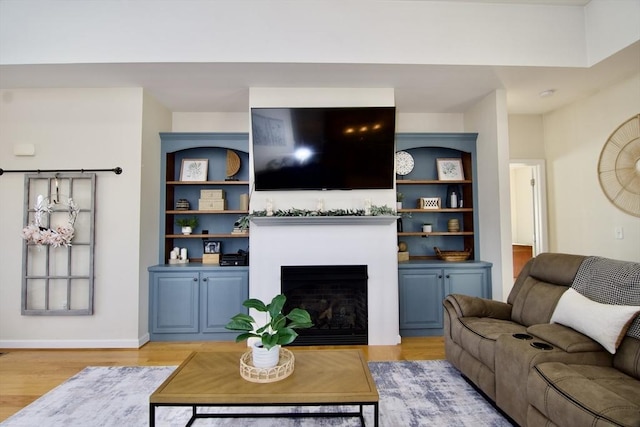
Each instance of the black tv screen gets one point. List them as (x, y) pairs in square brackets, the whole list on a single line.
[(323, 148)]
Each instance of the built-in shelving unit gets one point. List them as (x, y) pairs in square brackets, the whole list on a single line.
[(219, 223), (423, 181), (424, 280)]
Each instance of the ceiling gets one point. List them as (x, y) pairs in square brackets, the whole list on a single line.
[(224, 87)]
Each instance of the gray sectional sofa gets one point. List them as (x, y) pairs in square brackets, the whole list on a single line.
[(528, 357)]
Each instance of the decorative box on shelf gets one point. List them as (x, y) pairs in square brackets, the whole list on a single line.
[(212, 194), (212, 204), (429, 203), (211, 259), (212, 200)]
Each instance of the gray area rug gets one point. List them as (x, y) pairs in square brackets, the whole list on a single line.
[(412, 394)]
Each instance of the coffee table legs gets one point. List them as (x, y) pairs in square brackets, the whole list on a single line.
[(195, 415)]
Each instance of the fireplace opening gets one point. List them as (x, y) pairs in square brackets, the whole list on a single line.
[(336, 298)]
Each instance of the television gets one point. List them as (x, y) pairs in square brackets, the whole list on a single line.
[(323, 148)]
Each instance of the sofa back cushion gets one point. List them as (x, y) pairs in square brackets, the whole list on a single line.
[(540, 285)]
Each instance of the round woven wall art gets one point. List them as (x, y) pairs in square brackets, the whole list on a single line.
[(619, 167)]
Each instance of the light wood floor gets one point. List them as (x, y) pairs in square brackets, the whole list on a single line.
[(25, 375)]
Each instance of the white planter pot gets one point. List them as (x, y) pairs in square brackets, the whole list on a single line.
[(398, 205), (263, 358), (186, 230)]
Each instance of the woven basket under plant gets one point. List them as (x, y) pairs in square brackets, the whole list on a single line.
[(282, 370), (453, 255)]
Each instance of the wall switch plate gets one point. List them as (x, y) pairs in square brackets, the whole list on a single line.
[(619, 233)]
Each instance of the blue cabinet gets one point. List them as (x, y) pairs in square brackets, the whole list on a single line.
[(421, 294), (195, 302), (423, 286), (221, 297), (174, 303)]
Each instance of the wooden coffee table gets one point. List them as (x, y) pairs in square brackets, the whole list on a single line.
[(320, 378)]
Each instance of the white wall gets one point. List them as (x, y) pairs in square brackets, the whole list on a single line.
[(155, 119), (581, 218), (210, 122), (76, 128), (610, 26), (239, 122), (526, 136), (393, 32), (489, 118)]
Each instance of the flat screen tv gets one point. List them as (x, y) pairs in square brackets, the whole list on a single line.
[(323, 148)]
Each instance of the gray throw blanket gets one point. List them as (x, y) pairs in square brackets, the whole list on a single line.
[(610, 281)]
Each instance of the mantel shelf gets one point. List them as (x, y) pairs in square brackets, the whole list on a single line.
[(270, 221)]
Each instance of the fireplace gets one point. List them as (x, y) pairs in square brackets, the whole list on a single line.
[(330, 241), (336, 298)]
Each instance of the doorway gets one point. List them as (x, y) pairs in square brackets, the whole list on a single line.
[(528, 210)]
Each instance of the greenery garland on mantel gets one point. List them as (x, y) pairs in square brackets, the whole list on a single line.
[(243, 221)]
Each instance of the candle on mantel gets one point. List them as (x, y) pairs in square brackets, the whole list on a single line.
[(183, 254)]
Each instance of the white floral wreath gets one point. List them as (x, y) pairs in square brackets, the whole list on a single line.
[(61, 235)]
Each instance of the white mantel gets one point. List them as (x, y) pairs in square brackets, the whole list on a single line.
[(359, 240)]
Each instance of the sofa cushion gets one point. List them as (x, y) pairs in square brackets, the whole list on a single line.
[(605, 323), (478, 335), (535, 302), (584, 395), (627, 358), (564, 338)]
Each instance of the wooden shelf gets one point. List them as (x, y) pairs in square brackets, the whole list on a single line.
[(430, 182), (436, 233), (206, 236), (207, 182)]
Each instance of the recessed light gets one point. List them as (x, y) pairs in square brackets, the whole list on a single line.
[(547, 93)]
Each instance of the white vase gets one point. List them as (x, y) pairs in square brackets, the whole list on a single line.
[(263, 358), (186, 230)]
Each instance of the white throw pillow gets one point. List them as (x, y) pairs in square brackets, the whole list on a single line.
[(604, 323)]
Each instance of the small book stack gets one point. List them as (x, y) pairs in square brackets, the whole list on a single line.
[(238, 230)]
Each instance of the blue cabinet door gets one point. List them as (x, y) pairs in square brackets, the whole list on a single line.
[(174, 303), (468, 281), (421, 294), (222, 295)]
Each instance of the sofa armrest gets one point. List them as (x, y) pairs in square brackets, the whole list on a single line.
[(468, 306)]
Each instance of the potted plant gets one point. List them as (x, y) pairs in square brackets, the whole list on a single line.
[(399, 199), (279, 328), (187, 224)]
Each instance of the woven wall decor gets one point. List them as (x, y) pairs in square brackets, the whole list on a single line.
[(619, 167)]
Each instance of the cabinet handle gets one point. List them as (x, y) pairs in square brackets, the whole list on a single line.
[(204, 279), (448, 276), (195, 279), (440, 276)]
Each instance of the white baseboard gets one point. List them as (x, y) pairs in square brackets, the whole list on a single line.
[(43, 344)]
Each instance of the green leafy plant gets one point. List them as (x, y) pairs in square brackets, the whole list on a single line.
[(399, 197), (243, 221), (188, 222), (279, 328)]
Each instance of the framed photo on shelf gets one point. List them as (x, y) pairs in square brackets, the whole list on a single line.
[(450, 169), (211, 246), (194, 169)]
